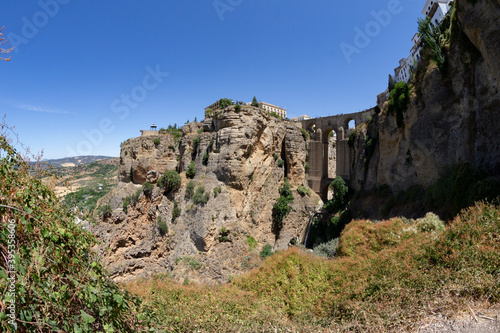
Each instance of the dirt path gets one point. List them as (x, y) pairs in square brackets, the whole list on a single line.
[(475, 321)]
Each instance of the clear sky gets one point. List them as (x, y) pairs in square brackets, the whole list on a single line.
[(87, 75)]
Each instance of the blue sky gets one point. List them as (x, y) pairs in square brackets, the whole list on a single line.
[(87, 75)]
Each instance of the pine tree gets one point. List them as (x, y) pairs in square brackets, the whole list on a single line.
[(254, 102)]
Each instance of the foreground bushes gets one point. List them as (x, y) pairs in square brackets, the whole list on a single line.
[(60, 283)]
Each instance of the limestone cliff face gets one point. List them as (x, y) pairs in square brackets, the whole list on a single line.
[(453, 115), (237, 157), (140, 155)]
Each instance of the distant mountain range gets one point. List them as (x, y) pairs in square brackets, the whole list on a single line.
[(72, 161)]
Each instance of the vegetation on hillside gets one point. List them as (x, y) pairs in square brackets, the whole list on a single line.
[(386, 277), (56, 280)]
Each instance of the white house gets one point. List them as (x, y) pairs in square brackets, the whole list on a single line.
[(436, 10)]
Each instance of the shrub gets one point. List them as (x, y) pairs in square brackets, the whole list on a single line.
[(399, 98), (200, 197), (430, 223), (339, 199), (156, 141), (205, 158), (176, 212), (304, 133), (196, 143), (57, 278), (192, 263), (191, 170), (200, 131), (125, 204), (147, 189), (162, 226), (275, 157), (105, 210), (328, 249), (224, 235), (281, 163), (237, 108), (251, 242), (217, 191), (302, 190), (170, 181), (307, 166), (190, 189), (267, 250), (281, 208)]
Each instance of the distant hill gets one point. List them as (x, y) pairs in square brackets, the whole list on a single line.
[(72, 161)]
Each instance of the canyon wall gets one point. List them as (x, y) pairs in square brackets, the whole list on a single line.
[(241, 158), (453, 115)]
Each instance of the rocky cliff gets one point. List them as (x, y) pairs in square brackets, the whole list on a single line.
[(453, 114), (241, 158)]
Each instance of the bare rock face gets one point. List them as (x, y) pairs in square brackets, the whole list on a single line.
[(140, 155), (241, 159), (453, 115)]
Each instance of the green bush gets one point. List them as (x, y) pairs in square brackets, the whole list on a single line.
[(170, 181), (192, 263), (237, 108), (200, 196), (105, 210), (339, 200), (217, 191), (224, 235), (200, 131), (147, 189), (282, 206), (254, 102), (205, 158), (162, 226), (399, 98), (126, 203), (57, 279), (190, 189), (267, 250), (328, 249), (304, 133), (307, 166), (281, 163), (251, 242), (176, 212), (225, 102), (196, 143), (156, 141), (275, 157), (303, 190), (191, 170)]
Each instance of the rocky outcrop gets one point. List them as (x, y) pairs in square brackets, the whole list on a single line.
[(241, 158), (453, 115), (140, 155)]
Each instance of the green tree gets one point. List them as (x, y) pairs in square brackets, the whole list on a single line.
[(391, 82), (339, 200), (254, 102), (432, 39), (225, 102)]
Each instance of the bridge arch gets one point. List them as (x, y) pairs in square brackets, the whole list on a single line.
[(321, 148)]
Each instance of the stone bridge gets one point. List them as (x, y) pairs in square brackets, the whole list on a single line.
[(329, 149)]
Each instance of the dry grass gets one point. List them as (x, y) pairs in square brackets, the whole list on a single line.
[(388, 277)]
